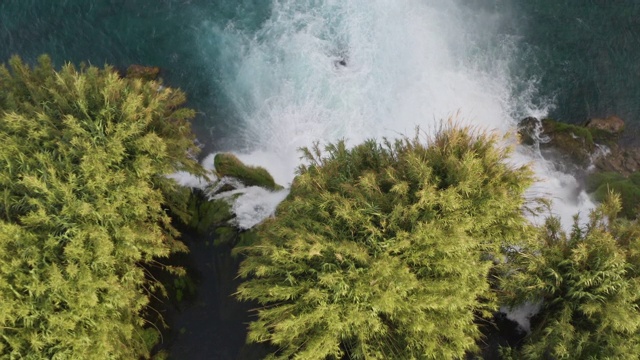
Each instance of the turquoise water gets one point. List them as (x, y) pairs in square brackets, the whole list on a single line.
[(582, 55), (165, 33), (585, 53)]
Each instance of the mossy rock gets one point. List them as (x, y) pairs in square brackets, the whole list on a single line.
[(205, 214), (572, 140), (628, 188), (555, 127), (229, 165), (594, 181), (576, 143), (635, 178)]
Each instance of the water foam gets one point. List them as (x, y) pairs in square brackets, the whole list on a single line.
[(322, 70)]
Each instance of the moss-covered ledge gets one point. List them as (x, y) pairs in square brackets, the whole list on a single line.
[(227, 164), (574, 143), (617, 170)]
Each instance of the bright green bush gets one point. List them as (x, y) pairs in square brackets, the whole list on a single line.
[(600, 184), (589, 287), (383, 251), (83, 202)]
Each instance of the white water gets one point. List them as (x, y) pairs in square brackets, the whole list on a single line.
[(251, 205), (408, 63), (522, 314), (405, 66)]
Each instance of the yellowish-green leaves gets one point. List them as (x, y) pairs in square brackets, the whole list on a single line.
[(588, 285), (383, 251), (82, 207)]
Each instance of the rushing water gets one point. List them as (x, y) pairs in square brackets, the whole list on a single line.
[(268, 77)]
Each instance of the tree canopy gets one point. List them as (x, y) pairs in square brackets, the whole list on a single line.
[(589, 286), (383, 251), (83, 207)]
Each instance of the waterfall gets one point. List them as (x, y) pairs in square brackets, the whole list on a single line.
[(324, 70)]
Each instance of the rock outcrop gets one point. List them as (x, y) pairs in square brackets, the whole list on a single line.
[(624, 161), (595, 143), (591, 152), (611, 124), (227, 164), (567, 143)]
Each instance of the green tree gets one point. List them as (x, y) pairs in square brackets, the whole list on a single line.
[(83, 208), (383, 251), (589, 289)]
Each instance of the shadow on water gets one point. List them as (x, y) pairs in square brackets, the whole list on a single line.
[(208, 323)]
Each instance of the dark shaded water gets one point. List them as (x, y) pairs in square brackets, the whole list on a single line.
[(207, 323), (165, 33), (585, 53)]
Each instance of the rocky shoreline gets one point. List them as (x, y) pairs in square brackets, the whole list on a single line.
[(596, 153)]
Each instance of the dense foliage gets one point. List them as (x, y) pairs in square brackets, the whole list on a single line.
[(384, 251), (600, 184), (589, 287), (83, 205)]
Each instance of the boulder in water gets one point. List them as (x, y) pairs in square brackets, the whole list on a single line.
[(340, 62), (229, 165), (531, 131), (572, 143)]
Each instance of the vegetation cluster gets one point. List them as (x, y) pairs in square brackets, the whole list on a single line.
[(402, 249), (379, 246), (588, 284), (600, 184), (84, 208)]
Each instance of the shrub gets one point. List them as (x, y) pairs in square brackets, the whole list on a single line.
[(83, 208), (629, 189), (588, 287), (383, 251)]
